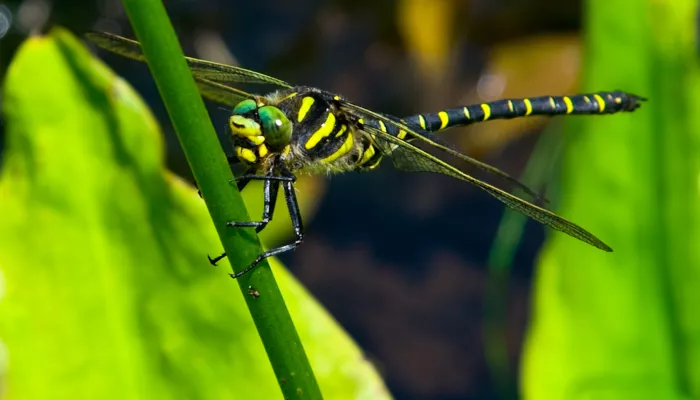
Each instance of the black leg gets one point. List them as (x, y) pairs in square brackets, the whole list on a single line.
[(215, 260), (293, 207), (255, 177), (270, 189), (243, 180)]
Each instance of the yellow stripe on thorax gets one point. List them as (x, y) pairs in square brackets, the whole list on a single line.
[(369, 152), (601, 102), (342, 130), (444, 119), (306, 104), (569, 105), (375, 164), (510, 105), (421, 121), (466, 113), (487, 111), (287, 97), (322, 132), (382, 127), (528, 106), (343, 150), (402, 134)]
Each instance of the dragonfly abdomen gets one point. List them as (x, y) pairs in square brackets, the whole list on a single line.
[(592, 103)]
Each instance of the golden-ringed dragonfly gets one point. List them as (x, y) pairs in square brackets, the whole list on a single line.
[(300, 129)]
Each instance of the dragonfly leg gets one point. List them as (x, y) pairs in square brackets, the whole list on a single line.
[(256, 177), (215, 260), (293, 207), (270, 189)]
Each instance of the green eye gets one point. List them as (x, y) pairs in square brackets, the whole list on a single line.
[(276, 127), (244, 107)]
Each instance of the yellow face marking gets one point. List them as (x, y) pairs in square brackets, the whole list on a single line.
[(306, 104), (369, 152), (552, 103), (421, 121), (361, 121), (286, 150), (487, 111), (287, 97), (336, 98), (245, 155), (382, 127), (402, 134), (322, 132), (342, 130), (262, 150), (510, 105), (444, 119), (343, 150), (256, 140), (569, 105), (466, 113), (528, 107), (242, 126), (601, 103)]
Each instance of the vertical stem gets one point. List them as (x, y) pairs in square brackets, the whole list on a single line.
[(210, 168)]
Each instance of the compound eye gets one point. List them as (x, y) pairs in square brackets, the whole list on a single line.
[(244, 107), (277, 128)]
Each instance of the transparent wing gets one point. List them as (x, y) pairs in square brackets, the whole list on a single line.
[(435, 141), (204, 69), (221, 93), (407, 157)]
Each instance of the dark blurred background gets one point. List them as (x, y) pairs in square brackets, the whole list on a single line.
[(401, 260)]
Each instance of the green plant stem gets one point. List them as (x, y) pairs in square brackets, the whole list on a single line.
[(210, 168)]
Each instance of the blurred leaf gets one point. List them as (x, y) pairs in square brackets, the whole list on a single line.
[(108, 291), (426, 28), (508, 236), (625, 325)]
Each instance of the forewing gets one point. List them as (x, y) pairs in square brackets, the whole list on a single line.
[(221, 93), (407, 157), (205, 69)]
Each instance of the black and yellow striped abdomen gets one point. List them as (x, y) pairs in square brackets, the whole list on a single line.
[(593, 103)]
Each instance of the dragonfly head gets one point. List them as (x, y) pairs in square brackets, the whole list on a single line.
[(260, 124)]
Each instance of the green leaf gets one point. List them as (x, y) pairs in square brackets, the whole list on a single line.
[(108, 292), (625, 325)]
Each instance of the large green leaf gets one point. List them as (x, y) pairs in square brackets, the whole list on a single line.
[(625, 325), (108, 293)]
